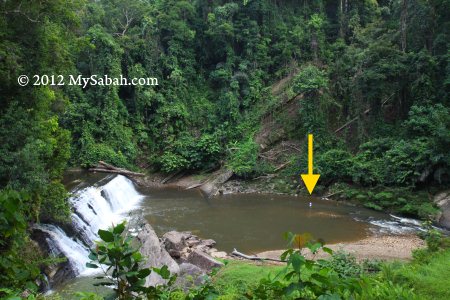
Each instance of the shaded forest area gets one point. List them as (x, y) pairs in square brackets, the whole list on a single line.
[(382, 67)]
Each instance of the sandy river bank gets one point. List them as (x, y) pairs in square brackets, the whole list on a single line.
[(385, 247)]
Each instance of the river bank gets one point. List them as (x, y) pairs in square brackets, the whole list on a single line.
[(381, 247)]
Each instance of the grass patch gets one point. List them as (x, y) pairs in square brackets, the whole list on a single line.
[(237, 277), (430, 280)]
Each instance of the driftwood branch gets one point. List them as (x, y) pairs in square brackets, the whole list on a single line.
[(253, 257), (364, 113), (282, 166), (107, 168), (332, 194)]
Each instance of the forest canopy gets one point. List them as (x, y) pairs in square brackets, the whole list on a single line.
[(382, 67)]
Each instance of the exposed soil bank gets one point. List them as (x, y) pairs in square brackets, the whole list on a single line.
[(386, 247)]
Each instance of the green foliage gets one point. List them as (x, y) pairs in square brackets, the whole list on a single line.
[(243, 157), (344, 265), (190, 153), (20, 259), (429, 278), (121, 263), (310, 80), (304, 278), (223, 67), (434, 238), (335, 163), (397, 200), (54, 204)]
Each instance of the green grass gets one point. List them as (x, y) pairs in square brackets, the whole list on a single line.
[(430, 280), (237, 277)]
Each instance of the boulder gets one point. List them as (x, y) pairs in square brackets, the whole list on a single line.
[(208, 243), (155, 254), (174, 240), (203, 260), (442, 200), (190, 275), (219, 254)]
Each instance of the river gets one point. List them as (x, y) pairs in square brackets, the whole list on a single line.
[(250, 223)]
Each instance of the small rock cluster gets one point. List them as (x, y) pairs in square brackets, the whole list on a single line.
[(185, 254), (185, 247)]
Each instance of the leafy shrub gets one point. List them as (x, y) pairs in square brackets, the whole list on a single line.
[(54, 206), (93, 153), (116, 253), (405, 162), (434, 238), (20, 259), (310, 79), (335, 163), (172, 162), (344, 264), (305, 279), (243, 157), (192, 153)]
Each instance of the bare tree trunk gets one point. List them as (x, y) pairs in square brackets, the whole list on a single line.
[(314, 46), (403, 25), (341, 19), (108, 168)]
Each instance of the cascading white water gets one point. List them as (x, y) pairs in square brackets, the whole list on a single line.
[(94, 208), (60, 244)]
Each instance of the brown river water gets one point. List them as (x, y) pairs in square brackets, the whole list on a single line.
[(255, 222)]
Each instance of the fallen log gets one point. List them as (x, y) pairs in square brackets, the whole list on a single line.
[(117, 171), (282, 166), (107, 166), (196, 185), (254, 257), (331, 195)]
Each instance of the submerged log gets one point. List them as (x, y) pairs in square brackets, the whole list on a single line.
[(253, 257), (107, 168)]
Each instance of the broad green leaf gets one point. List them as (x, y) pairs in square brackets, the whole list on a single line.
[(105, 235), (119, 228), (327, 250), (144, 273), (92, 266)]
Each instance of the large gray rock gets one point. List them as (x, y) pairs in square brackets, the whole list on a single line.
[(203, 260), (155, 254), (174, 240), (190, 275), (442, 200)]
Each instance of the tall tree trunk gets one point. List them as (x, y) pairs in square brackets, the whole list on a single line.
[(315, 46), (403, 25), (341, 14)]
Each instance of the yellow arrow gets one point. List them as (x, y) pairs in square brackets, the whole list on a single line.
[(310, 179)]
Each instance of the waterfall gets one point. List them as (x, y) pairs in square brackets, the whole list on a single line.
[(94, 208), (60, 244)]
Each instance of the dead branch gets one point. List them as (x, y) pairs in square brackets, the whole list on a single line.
[(282, 166), (108, 168), (253, 257), (118, 171), (364, 113)]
